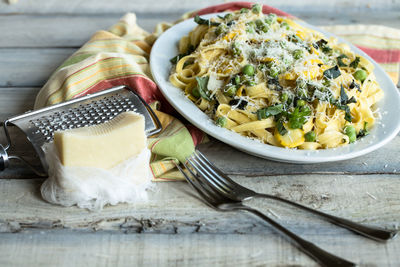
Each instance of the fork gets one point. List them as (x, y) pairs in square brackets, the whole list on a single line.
[(232, 190), (220, 202)]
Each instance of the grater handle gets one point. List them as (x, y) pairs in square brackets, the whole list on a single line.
[(3, 158)]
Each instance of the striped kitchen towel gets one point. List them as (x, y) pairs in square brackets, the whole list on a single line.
[(120, 56)]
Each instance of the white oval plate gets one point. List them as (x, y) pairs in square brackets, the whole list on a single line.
[(383, 131)]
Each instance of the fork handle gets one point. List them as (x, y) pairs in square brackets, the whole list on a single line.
[(368, 231), (323, 257)]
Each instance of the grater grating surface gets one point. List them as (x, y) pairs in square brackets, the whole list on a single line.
[(40, 125)]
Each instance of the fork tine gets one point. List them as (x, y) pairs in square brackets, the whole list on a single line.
[(214, 174), (209, 187), (218, 176), (206, 175), (195, 185)]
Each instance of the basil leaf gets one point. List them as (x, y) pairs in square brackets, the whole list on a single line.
[(239, 103), (354, 64), (347, 115), (332, 73), (299, 117), (339, 60), (202, 86), (269, 111), (343, 96), (281, 128), (175, 59), (344, 99), (355, 85), (207, 22)]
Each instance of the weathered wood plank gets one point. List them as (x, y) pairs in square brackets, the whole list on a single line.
[(30, 67), (121, 6), (41, 31), (234, 162), (14, 101), (372, 199), (68, 248)]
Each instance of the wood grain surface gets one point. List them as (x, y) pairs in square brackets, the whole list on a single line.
[(174, 228)]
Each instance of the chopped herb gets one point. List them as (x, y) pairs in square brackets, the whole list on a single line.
[(239, 103), (299, 117), (175, 59), (230, 23), (207, 22), (321, 43), (363, 132), (274, 84), (326, 49), (244, 10), (355, 85), (354, 64), (339, 60), (343, 103), (222, 28), (344, 99), (332, 73), (347, 115), (202, 87), (269, 111), (281, 128)]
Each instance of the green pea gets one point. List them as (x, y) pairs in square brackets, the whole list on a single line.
[(310, 136), (360, 75), (248, 70), (270, 19), (285, 25), (350, 131), (221, 121), (274, 72), (259, 23), (256, 8), (244, 10), (230, 91), (300, 102), (228, 16), (298, 53), (265, 28), (196, 92), (284, 97)]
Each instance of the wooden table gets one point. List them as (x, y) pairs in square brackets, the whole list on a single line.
[(174, 228)]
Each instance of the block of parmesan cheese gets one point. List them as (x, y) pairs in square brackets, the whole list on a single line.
[(104, 145)]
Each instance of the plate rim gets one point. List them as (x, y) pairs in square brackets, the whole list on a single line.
[(242, 142)]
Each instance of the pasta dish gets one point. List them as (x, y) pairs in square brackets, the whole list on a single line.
[(269, 78)]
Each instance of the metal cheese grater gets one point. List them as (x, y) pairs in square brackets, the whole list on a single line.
[(40, 125)]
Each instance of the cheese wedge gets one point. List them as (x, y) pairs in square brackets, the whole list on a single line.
[(104, 145)]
